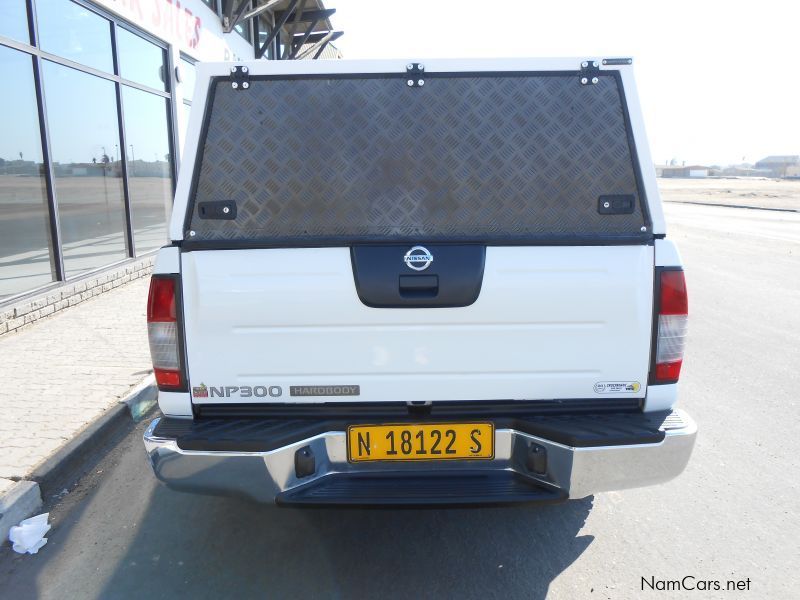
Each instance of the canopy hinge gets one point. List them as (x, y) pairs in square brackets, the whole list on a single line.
[(240, 78), (415, 74), (589, 73)]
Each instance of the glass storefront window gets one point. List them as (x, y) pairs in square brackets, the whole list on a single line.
[(263, 34), (85, 107), (25, 258), (188, 79), (84, 140), (140, 60), (183, 121), (149, 172), (75, 33), (14, 20), (243, 29), (188, 82)]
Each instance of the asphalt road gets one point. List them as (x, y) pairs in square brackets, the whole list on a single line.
[(731, 515)]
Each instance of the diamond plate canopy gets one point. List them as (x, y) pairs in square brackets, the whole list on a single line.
[(473, 157)]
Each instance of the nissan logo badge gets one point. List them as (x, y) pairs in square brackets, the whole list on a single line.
[(418, 258)]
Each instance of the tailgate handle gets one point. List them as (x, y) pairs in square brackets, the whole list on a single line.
[(417, 286)]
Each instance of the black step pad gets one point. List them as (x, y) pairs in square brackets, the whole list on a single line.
[(440, 488)]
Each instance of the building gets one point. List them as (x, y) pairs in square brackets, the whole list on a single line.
[(95, 102), (780, 166), (744, 170), (684, 171)]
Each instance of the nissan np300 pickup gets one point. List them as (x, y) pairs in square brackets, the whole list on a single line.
[(435, 282)]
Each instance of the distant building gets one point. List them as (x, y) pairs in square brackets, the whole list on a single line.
[(780, 166), (694, 171), (745, 171)]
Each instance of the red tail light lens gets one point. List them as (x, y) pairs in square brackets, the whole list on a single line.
[(168, 378), (163, 333), (161, 301), (673, 317)]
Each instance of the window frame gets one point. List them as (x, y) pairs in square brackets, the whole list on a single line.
[(34, 50)]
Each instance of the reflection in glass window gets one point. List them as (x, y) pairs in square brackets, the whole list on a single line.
[(188, 79), (14, 20), (139, 60), (84, 141), (183, 121), (243, 29), (263, 34), (149, 176), (25, 258), (76, 33)]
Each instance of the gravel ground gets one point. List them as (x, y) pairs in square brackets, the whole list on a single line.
[(783, 194)]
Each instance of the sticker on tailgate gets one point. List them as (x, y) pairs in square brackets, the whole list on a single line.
[(617, 387)]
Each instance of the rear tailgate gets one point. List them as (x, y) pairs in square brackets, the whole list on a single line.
[(522, 188), (549, 323)]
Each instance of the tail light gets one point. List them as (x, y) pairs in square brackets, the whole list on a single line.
[(673, 316), (164, 333)]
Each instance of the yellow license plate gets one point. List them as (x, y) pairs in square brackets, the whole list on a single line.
[(434, 441)]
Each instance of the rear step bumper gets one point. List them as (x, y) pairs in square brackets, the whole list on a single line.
[(431, 488), (297, 462)]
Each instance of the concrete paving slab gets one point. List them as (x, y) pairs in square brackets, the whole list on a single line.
[(63, 373)]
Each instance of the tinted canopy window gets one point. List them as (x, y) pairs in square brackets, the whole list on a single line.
[(488, 158)]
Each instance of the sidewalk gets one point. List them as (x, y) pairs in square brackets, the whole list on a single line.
[(62, 373)]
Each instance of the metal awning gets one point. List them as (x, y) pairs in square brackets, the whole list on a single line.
[(302, 27)]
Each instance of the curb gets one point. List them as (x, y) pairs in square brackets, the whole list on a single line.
[(141, 398), (70, 462), (20, 502)]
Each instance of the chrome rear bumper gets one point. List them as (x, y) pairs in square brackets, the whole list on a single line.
[(573, 472)]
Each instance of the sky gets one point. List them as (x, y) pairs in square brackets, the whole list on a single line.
[(719, 82)]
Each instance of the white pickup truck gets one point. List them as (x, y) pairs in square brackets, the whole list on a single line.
[(436, 282)]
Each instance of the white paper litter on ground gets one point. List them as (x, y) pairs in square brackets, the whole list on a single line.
[(28, 536)]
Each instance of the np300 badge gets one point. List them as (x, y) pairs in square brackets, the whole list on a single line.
[(418, 258)]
